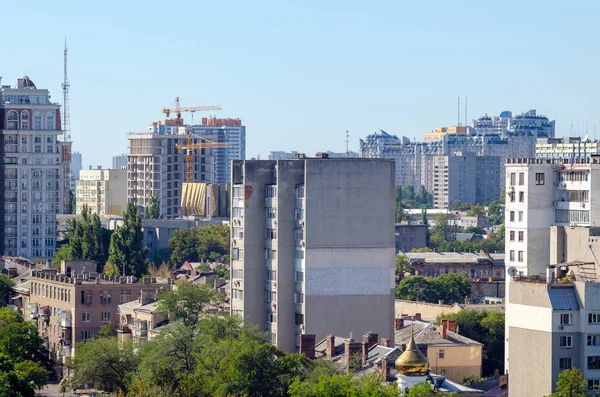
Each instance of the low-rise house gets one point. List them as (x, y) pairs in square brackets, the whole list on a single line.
[(473, 265), (410, 236), (449, 353), (139, 319)]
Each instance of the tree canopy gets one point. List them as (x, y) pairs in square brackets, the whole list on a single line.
[(6, 285), (127, 251), (85, 239), (570, 384), (188, 301), (153, 210), (448, 287), (202, 243)]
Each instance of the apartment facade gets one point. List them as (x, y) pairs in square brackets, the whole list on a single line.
[(566, 148), (307, 258), (35, 170), (103, 191), (119, 162), (156, 168), (409, 236), (68, 309)]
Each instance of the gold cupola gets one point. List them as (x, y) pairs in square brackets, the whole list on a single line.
[(412, 362)]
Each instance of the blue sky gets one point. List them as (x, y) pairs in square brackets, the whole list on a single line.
[(301, 73)]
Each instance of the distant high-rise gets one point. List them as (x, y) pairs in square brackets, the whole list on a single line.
[(76, 166), (119, 162), (103, 191), (280, 155), (34, 168)]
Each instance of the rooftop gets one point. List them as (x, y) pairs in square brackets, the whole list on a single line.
[(455, 257), (427, 334), (94, 278)]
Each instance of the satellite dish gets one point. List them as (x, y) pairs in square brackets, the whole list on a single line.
[(512, 271)]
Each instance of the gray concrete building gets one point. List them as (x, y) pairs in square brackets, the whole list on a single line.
[(409, 236), (313, 247)]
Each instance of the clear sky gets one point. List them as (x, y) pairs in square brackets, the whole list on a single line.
[(301, 73)]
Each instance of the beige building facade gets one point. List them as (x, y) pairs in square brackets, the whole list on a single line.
[(103, 191)]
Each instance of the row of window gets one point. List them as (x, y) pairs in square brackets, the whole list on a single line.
[(86, 317), (593, 318), (12, 120), (540, 178), (86, 297), (270, 191), (513, 213), (521, 236), (512, 195), (572, 216), (573, 176), (520, 256)]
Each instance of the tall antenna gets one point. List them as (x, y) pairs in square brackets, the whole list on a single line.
[(458, 118), (347, 143), (66, 116)]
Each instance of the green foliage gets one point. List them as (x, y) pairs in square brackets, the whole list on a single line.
[(104, 363), (471, 379), (127, 251), (425, 390), (570, 384), (188, 301), (161, 256), (448, 287), (401, 214), (24, 364), (63, 253), (487, 327), (203, 243), (339, 385), (153, 210), (6, 285), (72, 202), (408, 198), (84, 239), (402, 265)]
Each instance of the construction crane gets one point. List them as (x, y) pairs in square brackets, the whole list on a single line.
[(192, 109), (189, 147)]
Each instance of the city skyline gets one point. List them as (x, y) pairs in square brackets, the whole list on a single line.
[(389, 66)]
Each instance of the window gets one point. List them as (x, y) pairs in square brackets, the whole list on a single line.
[(521, 178), (270, 191), (594, 318), (299, 318), (237, 212), (572, 216), (513, 179), (50, 120), (299, 234), (86, 317), (512, 235), (521, 236), (86, 334), (540, 178), (237, 273), (24, 120), (105, 317), (238, 192), (299, 214), (238, 232), (237, 293), (237, 253), (512, 216), (299, 254), (271, 317), (270, 296), (272, 338), (566, 341), (593, 384), (593, 362), (105, 298), (270, 254), (511, 197), (300, 191), (520, 257), (298, 297), (271, 213), (271, 234), (521, 197), (565, 363), (86, 297), (566, 319), (124, 296), (299, 276), (593, 340), (271, 275), (441, 353), (520, 216), (511, 255)]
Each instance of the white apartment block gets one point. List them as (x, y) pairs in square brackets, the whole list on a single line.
[(119, 162), (156, 168), (313, 247), (103, 191), (35, 170), (565, 148)]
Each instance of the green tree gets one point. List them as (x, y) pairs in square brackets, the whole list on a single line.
[(402, 265), (105, 364), (343, 385), (401, 214), (183, 245), (188, 301), (416, 288), (452, 287), (570, 384), (153, 210), (424, 389), (6, 285), (63, 253), (127, 252), (213, 241), (84, 239)]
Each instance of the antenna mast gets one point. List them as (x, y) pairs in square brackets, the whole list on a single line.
[(66, 116), (347, 142)]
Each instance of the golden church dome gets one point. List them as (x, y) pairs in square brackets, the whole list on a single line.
[(412, 361)]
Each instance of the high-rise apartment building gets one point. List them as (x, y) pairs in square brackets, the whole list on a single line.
[(566, 148), (313, 247), (34, 169), (119, 162), (103, 191), (156, 168), (76, 166), (280, 155), (529, 123)]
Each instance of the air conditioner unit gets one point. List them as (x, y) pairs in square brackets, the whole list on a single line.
[(275, 284), (561, 327), (302, 223), (234, 242), (274, 306), (275, 223), (302, 243)]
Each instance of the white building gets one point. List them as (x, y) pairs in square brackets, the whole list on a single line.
[(119, 162), (565, 148), (103, 191), (35, 170), (307, 258)]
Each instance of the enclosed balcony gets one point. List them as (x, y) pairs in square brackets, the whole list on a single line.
[(65, 319)]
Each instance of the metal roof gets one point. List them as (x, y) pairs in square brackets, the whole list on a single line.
[(563, 298)]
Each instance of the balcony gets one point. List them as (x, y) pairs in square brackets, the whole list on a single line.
[(65, 319)]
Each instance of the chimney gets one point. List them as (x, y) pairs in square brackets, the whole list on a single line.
[(330, 349), (443, 329), (399, 323), (385, 369), (364, 352), (352, 352), (146, 297), (307, 345), (385, 342), (370, 339), (452, 326), (418, 316)]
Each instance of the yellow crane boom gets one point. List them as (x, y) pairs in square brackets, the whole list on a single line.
[(189, 147), (192, 109)]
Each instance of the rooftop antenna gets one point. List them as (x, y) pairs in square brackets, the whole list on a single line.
[(458, 118), (347, 143), (65, 86)]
